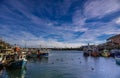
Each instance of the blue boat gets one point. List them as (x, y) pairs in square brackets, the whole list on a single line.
[(117, 57), (14, 61), (17, 64)]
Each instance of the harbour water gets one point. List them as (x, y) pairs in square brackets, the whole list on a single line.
[(66, 64)]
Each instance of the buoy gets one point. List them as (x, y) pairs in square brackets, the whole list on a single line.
[(92, 68), (52, 63)]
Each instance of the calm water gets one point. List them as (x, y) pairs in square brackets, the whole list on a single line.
[(66, 64)]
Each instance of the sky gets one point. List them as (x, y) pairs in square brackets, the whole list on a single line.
[(58, 23)]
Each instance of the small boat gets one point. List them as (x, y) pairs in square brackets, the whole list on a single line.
[(38, 53), (43, 53), (117, 57), (105, 53)]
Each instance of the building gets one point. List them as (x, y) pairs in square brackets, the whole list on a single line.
[(114, 41)]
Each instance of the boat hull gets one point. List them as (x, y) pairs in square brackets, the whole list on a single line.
[(117, 60), (117, 57), (94, 54), (17, 64), (38, 55), (1, 66), (105, 54), (42, 55), (85, 54)]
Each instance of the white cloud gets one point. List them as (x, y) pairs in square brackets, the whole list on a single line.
[(118, 20), (95, 8), (99, 8)]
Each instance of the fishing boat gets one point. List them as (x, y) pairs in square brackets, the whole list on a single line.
[(42, 53), (17, 64), (14, 61), (95, 52), (1, 58), (39, 53), (117, 57), (105, 53), (87, 50)]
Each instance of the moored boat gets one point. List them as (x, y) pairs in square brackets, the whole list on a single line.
[(87, 50), (16, 59), (105, 53), (42, 53), (95, 52), (117, 57), (112, 52), (17, 64), (1, 58)]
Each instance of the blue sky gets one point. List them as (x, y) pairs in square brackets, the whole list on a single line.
[(59, 23)]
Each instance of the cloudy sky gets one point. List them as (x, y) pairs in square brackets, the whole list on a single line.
[(59, 23)]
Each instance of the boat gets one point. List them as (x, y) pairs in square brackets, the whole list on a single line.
[(1, 58), (42, 53), (112, 52), (117, 57), (16, 59), (17, 64), (105, 53), (87, 50), (95, 52), (39, 53)]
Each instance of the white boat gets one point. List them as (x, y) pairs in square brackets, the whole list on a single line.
[(1, 58)]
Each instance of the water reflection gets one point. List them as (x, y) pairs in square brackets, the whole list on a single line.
[(1, 72), (38, 60), (16, 73), (67, 65)]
